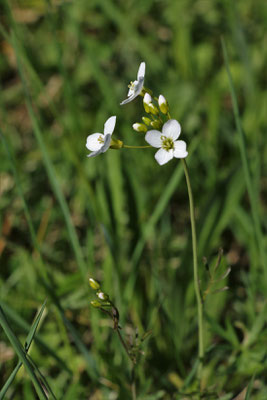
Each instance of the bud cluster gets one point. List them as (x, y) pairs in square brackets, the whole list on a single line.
[(155, 119), (102, 297)]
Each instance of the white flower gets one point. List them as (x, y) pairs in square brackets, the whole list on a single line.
[(166, 141), (136, 87), (99, 142)]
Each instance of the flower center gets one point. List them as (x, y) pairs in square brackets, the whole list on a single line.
[(131, 85), (167, 143), (100, 139)]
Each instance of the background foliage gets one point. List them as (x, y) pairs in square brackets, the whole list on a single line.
[(120, 217)]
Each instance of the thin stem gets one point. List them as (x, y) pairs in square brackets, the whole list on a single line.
[(136, 147), (133, 385), (124, 344), (195, 265), (115, 316)]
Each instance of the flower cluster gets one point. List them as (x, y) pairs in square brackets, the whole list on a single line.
[(161, 131), (102, 297)]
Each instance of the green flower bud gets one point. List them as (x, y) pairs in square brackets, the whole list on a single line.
[(102, 296), (96, 304), (116, 144), (94, 284), (147, 100), (153, 109), (163, 104), (156, 124), (139, 127), (146, 120)]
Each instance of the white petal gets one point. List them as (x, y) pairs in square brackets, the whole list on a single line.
[(103, 148), (137, 90), (154, 138), (147, 98), (106, 143), (128, 100), (172, 129), (93, 143), (161, 100), (110, 125), (163, 156), (180, 149), (141, 70), (131, 90), (139, 86)]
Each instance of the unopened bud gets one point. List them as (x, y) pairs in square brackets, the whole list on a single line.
[(146, 120), (163, 104), (147, 100), (156, 124), (139, 127), (153, 109), (94, 284), (102, 296), (96, 304), (116, 144)]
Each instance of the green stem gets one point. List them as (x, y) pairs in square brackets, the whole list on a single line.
[(196, 278), (137, 147), (133, 384)]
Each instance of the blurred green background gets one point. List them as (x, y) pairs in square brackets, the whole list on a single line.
[(120, 217)]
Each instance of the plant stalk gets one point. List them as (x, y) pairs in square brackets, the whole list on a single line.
[(136, 147), (195, 266)]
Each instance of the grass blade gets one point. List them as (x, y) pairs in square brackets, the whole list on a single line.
[(250, 386), (15, 318), (92, 370), (10, 380), (34, 327), (28, 342), (49, 166), (21, 354), (244, 157)]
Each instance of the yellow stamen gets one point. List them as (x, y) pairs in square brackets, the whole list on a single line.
[(167, 143)]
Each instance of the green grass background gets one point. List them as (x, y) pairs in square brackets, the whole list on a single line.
[(120, 217)]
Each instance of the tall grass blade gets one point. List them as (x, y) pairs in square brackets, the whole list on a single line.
[(27, 345), (49, 167), (92, 370), (22, 324), (250, 387), (21, 354), (245, 163)]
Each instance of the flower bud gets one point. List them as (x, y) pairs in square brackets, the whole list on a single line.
[(147, 100), (96, 304), (102, 296), (139, 127), (146, 120), (156, 124), (116, 144), (163, 104), (94, 284), (153, 109)]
